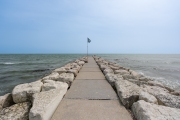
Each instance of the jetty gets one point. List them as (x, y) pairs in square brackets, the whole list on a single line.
[(91, 88), (91, 97)]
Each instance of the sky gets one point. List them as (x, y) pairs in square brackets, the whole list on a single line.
[(114, 26)]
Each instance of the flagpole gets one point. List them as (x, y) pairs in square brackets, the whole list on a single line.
[(87, 49)]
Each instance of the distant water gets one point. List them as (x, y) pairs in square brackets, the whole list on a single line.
[(163, 68), (16, 69)]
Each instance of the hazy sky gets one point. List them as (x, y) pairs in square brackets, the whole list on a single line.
[(114, 26)]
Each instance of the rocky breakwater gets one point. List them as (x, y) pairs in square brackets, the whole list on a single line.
[(38, 100), (145, 97)]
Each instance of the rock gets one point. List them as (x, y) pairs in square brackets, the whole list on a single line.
[(147, 97), (114, 67), (23, 92), (111, 78), (74, 71), (108, 70), (81, 63), (45, 103), (128, 92), (135, 74), (67, 66), (122, 72), (148, 111), (163, 96), (146, 79), (60, 70), (50, 84), (137, 82), (6, 101), (155, 83), (52, 76), (16, 112), (66, 77), (127, 76), (103, 67)]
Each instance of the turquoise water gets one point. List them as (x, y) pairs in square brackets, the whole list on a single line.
[(16, 69)]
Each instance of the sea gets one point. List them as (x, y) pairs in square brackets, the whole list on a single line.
[(24, 68)]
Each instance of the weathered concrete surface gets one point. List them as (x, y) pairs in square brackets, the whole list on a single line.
[(90, 76), (90, 69), (91, 110), (91, 89), (91, 98)]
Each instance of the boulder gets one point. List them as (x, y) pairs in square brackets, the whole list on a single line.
[(111, 78), (135, 74), (127, 76), (146, 79), (108, 70), (128, 92), (149, 111), (45, 103), (6, 101), (147, 97), (137, 82), (16, 112), (23, 92), (163, 96), (155, 83), (60, 70), (81, 63), (114, 67), (66, 77), (50, 84), (103, 67), (122, 72), (52, 76), (74, 71)]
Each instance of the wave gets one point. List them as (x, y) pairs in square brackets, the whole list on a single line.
[(8, 63)]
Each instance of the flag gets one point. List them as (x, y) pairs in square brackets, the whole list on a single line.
[(88, 40)]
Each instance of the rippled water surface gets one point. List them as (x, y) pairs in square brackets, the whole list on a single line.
[(163, 68), (16, 69)]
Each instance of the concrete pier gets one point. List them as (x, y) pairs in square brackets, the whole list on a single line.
[(91, 98)]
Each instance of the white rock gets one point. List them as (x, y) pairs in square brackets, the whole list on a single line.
[(155, 83), (127, 76), (52, 76), (81, 63), (24, 92), (45, 103), (66, 77), (74, 71), (6, 101), (60, 70), (135, 74), (148, 111), (111, 78), (147, 97), (50, 84), (163, 96), (18, 111), (122, 72), (108, 70), (103, 67), (127, 92)]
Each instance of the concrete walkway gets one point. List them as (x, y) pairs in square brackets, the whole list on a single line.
[(91, 98)]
